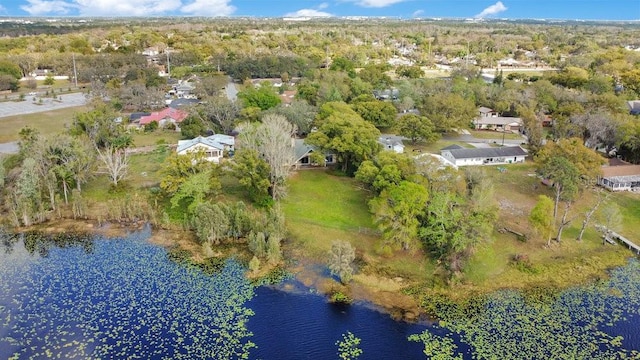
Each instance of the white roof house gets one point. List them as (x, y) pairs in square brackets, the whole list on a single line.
[(211, 146), (497, 123), (620, 178), (392, 143), (485, 156)]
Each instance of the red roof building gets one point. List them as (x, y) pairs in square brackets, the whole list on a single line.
[(168, 115)]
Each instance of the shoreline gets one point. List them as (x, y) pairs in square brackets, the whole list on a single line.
[(308, 272)]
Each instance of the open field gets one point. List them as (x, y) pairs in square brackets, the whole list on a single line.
[(321, 208), (160, 136), (47, 122)]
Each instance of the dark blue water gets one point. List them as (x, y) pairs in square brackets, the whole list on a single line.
[(123, 298), (296, 326)]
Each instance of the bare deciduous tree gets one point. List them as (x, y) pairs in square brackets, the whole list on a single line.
[(273, 140), (221, 112), (602, 197), (115, 163)]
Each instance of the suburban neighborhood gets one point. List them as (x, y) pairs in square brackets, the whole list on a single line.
[(318, 186)]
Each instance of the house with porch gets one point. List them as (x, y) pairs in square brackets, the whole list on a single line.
[(484, 156), (620, 178), (303, 155), (212, 146)]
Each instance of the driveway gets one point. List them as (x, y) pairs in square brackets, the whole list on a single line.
[(29, 106)]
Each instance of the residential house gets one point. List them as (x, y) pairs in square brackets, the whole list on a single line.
[(151, 51), (303, 151), (486, 112), (620, 178), (182, 102), (498, 123), (387, 94), (165, 117), (275, 82), (184, 89), (392, 143), (485, 156), (228, 141), (213, 146), (135, 117), (634, 107), (441, 162)]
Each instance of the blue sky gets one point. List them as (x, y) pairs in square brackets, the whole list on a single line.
[(512, 9)]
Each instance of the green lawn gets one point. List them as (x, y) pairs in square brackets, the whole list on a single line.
[(169, 137), (47, 122), (322, 207), (318, 198)]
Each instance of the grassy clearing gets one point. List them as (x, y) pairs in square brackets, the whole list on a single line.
[(322, 208), (318, 198), (563, 264), (141, 139), (47, 122)]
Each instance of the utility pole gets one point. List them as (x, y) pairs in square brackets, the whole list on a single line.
[(75, 72)]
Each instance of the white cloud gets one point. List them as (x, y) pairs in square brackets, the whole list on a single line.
[(492, 10), (376, 3), (417, 13), (308, 13), (128, 7), (45, 7), (324, 5), (209, 8)]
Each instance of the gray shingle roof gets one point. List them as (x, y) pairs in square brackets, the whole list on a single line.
[(185, 144), (452, 147), (301, 149), (487, 152)]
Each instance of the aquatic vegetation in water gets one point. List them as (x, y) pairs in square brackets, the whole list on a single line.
[(123, 297), (568, 325), (349, 347)]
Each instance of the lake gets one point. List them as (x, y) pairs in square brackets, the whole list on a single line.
[(90, 297)]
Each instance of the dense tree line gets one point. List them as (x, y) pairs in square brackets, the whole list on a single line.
[(267, 67)]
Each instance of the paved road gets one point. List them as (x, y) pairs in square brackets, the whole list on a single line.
[(232, 92), (29, 106)]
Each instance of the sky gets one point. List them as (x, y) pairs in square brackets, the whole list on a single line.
[(509, 9)]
